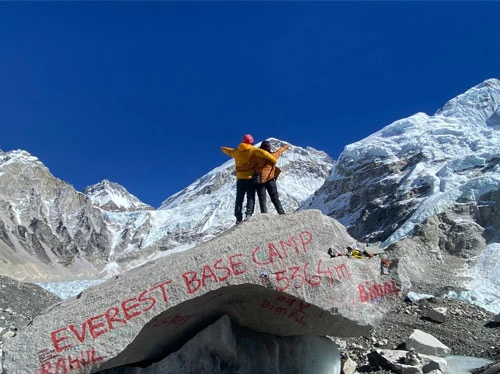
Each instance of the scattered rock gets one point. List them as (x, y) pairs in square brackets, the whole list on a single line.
[(414, 296), (412, 358), (437, 314), (407, 362), (8, 334), (349, 366), (426, 344)]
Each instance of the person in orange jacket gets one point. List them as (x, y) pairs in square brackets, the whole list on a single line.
[(265, 177), (244, 184)]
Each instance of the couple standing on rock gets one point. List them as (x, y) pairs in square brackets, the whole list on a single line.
[(256, 170)]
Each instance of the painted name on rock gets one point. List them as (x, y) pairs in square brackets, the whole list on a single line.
[(372, 291), (287, 307), (65, 364)]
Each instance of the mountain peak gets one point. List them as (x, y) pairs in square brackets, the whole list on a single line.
[(114, 197), (478, 105)]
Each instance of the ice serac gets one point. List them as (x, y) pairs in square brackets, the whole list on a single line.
[(271, 274)]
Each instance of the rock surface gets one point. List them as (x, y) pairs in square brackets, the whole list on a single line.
[(437, 314), (279, 281)]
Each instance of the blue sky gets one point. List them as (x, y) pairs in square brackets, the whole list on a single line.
[(144, 94)]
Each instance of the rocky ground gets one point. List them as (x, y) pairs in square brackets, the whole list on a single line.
[(468, 330), (19, 303)]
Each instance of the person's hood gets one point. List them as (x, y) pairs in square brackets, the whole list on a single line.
[(244, 153), (244, 147)]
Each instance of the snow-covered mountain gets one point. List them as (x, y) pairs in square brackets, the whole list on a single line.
[(49, 231), (417, 167), (46, 227), (207, 205), (432, 178)]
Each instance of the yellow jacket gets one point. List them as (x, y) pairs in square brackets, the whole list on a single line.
[(242, 156), (261, 166)]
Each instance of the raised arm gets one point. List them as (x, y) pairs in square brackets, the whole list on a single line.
[(228, 151), (280, 151)]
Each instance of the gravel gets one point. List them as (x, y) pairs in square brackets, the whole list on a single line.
[(468, 331)]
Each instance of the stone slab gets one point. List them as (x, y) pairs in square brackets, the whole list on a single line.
[(425, 343)]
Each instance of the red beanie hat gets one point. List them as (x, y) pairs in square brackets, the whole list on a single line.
[(248, 139)]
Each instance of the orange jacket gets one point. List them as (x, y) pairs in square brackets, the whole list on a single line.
[(266, 169), (242, 156)]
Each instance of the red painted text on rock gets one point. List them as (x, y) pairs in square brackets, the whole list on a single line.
[(70, 363), (373, 291), (114, 317)]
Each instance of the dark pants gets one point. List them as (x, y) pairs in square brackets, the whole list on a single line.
[(244, 187), (272, 189)]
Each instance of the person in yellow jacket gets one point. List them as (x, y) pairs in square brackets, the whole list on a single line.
[(265, 177), (244, 183)]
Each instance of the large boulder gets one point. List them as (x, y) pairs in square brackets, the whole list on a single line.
[(271, 274)]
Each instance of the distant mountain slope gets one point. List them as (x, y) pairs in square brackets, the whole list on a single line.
[(417, 167), (46, 227)]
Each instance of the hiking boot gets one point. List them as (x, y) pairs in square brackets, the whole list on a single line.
[(238, 221)]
